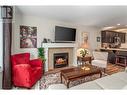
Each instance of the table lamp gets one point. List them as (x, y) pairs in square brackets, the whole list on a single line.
[(83, 50)]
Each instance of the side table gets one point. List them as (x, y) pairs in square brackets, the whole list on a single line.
[(83, 60)]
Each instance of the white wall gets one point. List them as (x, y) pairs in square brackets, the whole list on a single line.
[(45, 29), (92, 32), (1, 50)]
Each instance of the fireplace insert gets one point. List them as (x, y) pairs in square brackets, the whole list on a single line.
[(60, 60)]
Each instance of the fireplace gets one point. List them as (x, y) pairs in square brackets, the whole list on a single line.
[(60, 60)]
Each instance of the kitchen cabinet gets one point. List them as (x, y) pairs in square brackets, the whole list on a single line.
[(103, 37), (108, 36), (122, 37)]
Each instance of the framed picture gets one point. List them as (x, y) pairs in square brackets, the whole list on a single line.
[(84, 37), (98, 39), (28, 37)]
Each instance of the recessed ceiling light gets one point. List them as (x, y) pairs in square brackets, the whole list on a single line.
[(118, 24)]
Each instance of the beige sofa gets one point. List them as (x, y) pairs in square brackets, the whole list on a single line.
[(115, 81)]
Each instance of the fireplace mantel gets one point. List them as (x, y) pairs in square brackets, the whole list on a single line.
[(48, 46), (55, 45)]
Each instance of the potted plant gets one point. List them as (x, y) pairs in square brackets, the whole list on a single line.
[(83, 52), (41, 55)]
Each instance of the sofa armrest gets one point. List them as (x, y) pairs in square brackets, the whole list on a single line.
[(36, 63)]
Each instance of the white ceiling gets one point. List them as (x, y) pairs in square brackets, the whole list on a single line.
[(100, 16)]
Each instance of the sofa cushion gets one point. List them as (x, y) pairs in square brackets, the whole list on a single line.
[(121, 75), (57, 86), (110, 82), (88, 85), (125, 87)]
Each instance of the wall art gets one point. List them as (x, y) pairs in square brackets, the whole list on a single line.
[(28, 37)]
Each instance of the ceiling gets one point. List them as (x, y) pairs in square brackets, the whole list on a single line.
[(100, 16)]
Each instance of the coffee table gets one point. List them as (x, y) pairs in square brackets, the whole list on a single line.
[(75, 73)]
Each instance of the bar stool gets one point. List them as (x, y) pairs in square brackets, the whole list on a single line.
[(121, 60)]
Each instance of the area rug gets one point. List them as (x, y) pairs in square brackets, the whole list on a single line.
[(113, 68), (54, 78)]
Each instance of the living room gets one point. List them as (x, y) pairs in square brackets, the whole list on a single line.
[(44, 24)]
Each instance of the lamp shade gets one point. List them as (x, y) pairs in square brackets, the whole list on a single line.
[(84, 45)]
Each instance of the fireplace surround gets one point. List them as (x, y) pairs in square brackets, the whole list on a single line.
[(51, 48)]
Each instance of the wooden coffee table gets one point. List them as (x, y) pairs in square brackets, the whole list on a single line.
[(79, 72)]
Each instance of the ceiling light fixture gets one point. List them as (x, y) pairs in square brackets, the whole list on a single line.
[(118, 24)]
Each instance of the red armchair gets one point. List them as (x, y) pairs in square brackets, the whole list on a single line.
[(25, 72)]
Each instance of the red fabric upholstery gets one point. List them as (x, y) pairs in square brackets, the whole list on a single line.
[(35, 63), (25, 72)]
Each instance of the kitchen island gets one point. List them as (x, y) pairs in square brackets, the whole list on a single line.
[(113, 52)]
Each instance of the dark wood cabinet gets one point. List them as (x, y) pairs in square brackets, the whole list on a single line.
[(122, 37), (103, 37), (108, 36)]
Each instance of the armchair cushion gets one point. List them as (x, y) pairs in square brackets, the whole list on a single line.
[(22, 74), (100, 59), (99, 63), (100, 55)]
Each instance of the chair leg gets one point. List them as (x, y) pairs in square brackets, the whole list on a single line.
[(104, 70)]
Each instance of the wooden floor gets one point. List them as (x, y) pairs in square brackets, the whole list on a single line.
[(111, 69)]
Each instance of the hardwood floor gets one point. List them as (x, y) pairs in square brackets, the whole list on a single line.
[(113, 68)]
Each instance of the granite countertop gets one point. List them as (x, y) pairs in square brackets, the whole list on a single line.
[(119, 49)]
